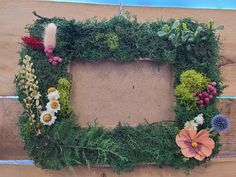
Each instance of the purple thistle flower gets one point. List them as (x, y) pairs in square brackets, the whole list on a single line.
[(220, 123)]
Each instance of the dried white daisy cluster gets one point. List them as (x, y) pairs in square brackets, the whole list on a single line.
[(198, 120), (28, 83), (53, 106)]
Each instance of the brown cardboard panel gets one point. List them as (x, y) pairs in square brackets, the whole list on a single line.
[(10, 143), (110, 92), (215, 168), (12, 29)]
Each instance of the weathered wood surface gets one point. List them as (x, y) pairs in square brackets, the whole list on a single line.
[(12, 28), (216, 168), (228, 140), (15, 14)]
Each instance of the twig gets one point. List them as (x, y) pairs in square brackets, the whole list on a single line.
[(35, 13)]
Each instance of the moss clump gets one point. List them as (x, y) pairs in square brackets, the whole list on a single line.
[(194, 80), (110, 40), (64, 87), (185, 97), (191, 82)]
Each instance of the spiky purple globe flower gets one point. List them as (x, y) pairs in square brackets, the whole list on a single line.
[(220, 123)]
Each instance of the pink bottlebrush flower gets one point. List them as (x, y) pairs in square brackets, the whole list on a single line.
[(49, 39), (50, 47), (198, 145)]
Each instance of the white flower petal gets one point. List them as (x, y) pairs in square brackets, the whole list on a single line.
[(49, 123), (199, 119), (191, 124), (54, 95), (50, 109)]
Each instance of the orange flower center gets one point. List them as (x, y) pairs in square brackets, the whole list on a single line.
[(51, 89), (47, 117), (194, 144), (54, 104)]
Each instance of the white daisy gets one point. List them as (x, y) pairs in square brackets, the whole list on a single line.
[(53, 95), (191, 124), (47, 118), (53, 106), (199, 119)]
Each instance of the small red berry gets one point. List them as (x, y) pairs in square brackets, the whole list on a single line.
[(213, 84), (210, 97), (200, 102), (206, 100), (201, 105), (209, 87), (214, 92), (206, 94)]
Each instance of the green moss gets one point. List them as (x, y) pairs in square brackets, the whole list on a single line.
[(194, 81), (64, 87), (184, 96), (191, 82)]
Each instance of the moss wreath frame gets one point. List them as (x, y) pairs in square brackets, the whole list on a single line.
[(185, 44)]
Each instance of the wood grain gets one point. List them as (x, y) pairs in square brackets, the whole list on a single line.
[(215, 168), (12, 29)]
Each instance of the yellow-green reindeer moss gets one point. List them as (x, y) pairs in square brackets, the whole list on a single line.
[(64, 86)]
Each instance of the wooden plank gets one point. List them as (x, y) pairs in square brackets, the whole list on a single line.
[(228, 108), (12, 29), (10, 143), (214, 168)]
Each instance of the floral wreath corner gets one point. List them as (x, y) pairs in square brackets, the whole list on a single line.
[(43, 84)]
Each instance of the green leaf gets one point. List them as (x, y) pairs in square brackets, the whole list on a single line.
[(166, 28), (175, 24), (188, 47), (220, 27), (184, 25), (161, 33)]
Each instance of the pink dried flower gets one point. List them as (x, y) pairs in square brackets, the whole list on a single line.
[(54, 63), (195, 144), (50, 36), (50, 60), (60, 60), (55, 58)]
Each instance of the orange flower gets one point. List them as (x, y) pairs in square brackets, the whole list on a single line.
[(198, 145)]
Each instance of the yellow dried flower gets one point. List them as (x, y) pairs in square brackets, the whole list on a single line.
[(51, 89)]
